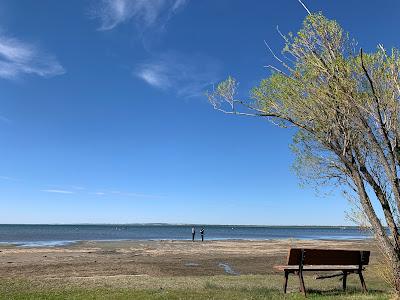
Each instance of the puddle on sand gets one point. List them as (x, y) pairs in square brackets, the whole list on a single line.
[(191, 264), (228, 269)]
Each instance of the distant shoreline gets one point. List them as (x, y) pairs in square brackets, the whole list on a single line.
[(178, 224)]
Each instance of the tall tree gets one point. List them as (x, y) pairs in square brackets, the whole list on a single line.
[(345, 105)]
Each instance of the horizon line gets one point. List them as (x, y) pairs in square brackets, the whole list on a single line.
[(179, 224)]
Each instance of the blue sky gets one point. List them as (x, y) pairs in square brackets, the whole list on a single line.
[(102, 118)]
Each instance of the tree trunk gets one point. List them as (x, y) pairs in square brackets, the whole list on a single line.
[(391, 251), (396, 274)]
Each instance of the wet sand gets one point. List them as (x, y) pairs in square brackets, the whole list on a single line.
[(157, 258)]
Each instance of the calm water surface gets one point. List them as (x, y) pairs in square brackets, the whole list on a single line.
[(55, 235)]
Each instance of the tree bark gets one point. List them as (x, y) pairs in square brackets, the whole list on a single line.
[(396, 274), (384, 243)]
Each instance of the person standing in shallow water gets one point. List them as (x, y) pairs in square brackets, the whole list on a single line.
[(202, 234), (193, 233)]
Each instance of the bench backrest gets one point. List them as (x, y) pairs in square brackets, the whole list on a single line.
[(327, 257)]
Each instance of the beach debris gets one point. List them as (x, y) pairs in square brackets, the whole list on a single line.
[(228, 269), (191, 264)]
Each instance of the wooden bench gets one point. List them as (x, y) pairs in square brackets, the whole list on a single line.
[(344, 261)]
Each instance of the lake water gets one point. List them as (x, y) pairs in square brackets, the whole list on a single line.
[(56, 235)]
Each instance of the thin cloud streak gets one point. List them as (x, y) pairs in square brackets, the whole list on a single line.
[(18, 58), (186, 75), (58, 191), (77, 187), (79, 190), (145, 13), (99, 193), (125, 194), (7, 178)]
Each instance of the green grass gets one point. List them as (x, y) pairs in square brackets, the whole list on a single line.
[(231, 294), (204, 287)]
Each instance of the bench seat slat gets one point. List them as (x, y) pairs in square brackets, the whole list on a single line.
[(327, 257), (318, 268)]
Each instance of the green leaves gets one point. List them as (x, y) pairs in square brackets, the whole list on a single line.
[(346, 107)]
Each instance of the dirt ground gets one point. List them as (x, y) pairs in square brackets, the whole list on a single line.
[(157, 258)]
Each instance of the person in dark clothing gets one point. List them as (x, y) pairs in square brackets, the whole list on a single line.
[(202, 234), (193, 233)]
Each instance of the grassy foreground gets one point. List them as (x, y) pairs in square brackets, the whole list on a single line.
[(184, 294), (203, 287)]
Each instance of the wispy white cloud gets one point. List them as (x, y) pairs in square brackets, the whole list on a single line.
[(7, 178), (99, 193), (18, 58), (114, 193), (77, 187), (145, 13), (58, 191), (79, 190), (187, 75)]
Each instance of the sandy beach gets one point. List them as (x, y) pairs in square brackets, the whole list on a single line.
[(157, 258), (225, 269)]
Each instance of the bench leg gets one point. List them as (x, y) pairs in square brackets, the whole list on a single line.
[(344, 280), (286, 280), (302, 287), (364, 286)]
